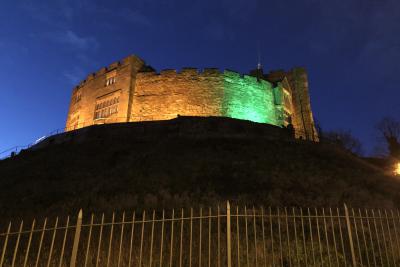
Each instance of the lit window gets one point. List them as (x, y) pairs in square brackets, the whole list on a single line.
[(110, 81), (106, 108)]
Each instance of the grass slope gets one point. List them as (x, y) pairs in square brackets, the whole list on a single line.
[(108, 169)]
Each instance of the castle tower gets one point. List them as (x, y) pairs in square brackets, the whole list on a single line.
[(302, 116), (105, 96)]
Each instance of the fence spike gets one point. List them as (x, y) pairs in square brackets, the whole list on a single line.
[(255, 235), (370, 237), (29, 242), (288, 238), (17, 244), (209, 235), (52, 243), (121, 239), (172, 238), (131, 239), (200, 234), (111, 239), (228, 234), (88, 242), (181, 241), (76, 239), (384, 238), (272, 236), (219, 237), (279, 235), (377, 237), (190, 237), (152, 237), (263, 236), (363, 235), (357, 238), (5, 245), (41, 242), (141, 238), (353, 255), (319, 236), (99, 243), (162, 237), (334, 236)]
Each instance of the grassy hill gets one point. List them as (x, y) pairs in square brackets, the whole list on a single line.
[(184, 162)]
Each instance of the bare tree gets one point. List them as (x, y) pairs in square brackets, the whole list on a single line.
[(344, 139), (389, 129)]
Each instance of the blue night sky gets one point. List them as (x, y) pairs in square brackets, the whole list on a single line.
[(351, 49)]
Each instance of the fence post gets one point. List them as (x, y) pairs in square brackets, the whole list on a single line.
[(228, 233), (76, 239), (353, 255)]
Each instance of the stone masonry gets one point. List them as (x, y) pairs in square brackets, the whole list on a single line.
[(130, 90)]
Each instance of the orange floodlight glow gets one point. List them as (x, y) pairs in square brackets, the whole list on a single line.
[(397, 169)]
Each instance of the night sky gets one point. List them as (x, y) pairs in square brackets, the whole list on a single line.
[(351, 50)]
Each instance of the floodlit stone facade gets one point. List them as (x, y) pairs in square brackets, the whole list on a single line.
[(130, 90)]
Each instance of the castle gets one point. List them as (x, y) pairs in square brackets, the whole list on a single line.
[(131, 91)]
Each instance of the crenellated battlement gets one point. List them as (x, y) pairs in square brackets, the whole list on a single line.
[(212, 73), (189, 71), (182, 73), (232, 73), (113, 66), (186, 71), (196, 71), (236, 77)]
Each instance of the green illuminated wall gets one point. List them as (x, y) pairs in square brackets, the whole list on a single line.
[(248, 99)]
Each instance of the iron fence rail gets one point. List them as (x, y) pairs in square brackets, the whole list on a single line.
[(220, 236), (16, 149)]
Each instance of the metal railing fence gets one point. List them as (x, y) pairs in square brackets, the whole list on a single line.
[(221, 236), (13, 151)]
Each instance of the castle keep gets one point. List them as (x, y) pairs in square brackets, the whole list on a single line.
[(130, 90)]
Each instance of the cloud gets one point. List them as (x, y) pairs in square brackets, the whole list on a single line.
[(58, 19), (87, 59), (73, 40), (74, 76)]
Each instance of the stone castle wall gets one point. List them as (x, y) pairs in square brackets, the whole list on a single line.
[(168, 94), (251, 99), (130, 91), (206, 93)]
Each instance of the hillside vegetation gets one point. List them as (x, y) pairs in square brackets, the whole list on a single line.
[(185, 162)]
